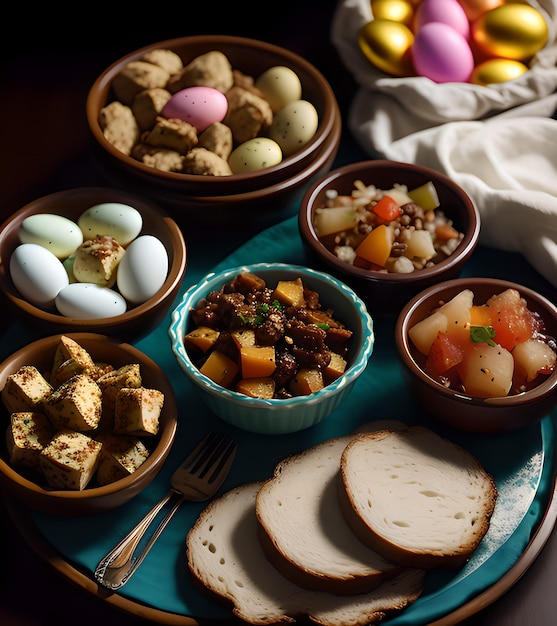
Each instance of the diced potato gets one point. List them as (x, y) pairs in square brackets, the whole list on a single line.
[(398, 195), (423, 334), (420, 245), (203, 338), (290, 292), (327, 221), (263, 387), (376, 247), (458, 314), (426, 196), (335, 369), (220, 369), (488, 371), (244, 337), (533, 356), (257, 361), (306, 382)]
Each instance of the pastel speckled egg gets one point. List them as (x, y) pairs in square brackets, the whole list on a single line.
[(199, 106), (255, 154), (442, 54), (388, 46), (294, 126), (89, 301), (121, 221), (445, 11), (495, 71), (56, 233), (279, 85)]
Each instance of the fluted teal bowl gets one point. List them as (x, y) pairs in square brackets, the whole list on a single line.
[(278, 416)]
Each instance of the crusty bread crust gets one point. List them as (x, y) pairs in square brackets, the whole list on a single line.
[(415, 497)]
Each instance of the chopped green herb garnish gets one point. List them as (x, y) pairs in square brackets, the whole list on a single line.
[(323, 326), (482, 334)]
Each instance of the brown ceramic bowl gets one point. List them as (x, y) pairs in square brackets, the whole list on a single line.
[(31, 488), (457, 408), (386, 293), (137, 320), (276, 186)]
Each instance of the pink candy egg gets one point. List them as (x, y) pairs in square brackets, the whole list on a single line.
[(442, 54), (445, 11), (199, 106)]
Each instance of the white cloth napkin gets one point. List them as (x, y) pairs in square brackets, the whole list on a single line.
[(498, 142)]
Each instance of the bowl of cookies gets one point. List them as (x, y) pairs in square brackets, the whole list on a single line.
[(89, 421), (215, 125)]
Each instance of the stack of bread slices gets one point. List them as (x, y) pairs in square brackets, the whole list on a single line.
[(344, 532)]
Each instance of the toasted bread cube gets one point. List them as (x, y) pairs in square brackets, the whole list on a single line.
[(220, 369), (306, 382), (70, 460), (27, 434), (76, 404), (137, 411), (120, 457), (25, 389), (335, 369), (290, 292), (69, 350), (203, 338), (257, 387), (111, 383)]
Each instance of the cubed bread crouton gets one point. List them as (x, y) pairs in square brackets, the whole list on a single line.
[(119, 126), (137, 76), (27, 434), (76, 404), (120, 457), (25, 389), (70, 460), (212, 69), (111, 383), (137, 411)]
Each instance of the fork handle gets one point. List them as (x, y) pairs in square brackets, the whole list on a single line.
[(117, 567)]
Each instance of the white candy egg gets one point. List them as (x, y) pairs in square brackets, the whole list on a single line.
[(143, 269), (116, 219), (255, 154), (279, 85), (54, 232), (89, 301), (37, 274), (294, 126)]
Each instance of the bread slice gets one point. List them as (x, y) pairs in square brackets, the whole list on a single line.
[(416, 497), (302, 529), (225, 557)]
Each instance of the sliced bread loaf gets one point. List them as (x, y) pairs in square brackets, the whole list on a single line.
[(225, 557), (415, 497), (302, 529)]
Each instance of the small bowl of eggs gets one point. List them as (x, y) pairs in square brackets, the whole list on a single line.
[(217, 128), (480, 354), (91, 259)]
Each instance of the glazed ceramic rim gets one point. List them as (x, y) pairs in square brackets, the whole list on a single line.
[(216, 280), (465, 248), (406, 351)]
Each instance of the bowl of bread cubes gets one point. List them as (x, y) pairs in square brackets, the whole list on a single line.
[(388, 229), (88, 423), (213, 124), (480, 354), (272, 348), (91, 259)]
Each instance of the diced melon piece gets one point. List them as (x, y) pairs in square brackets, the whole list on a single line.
[(327, 221), (487, 371), (263, 387), (534, 356), (257, 361), (306, 382), (376, 247), (423, 333), (202, 338), (220, 369), (420, 245), (426, 196), (290, 293)]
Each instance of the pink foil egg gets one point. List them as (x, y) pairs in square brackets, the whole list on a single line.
[(445, 11), (442, 54), (199, 106)]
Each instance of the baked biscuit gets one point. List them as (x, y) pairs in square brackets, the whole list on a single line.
[(205, 163), (159, 158), (218, 139), (147, 106), (167, 59), (172, 134), (211, 69), (135, 77), (119, 126), (248, 114)]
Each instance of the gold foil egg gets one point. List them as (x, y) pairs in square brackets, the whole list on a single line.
[(497, 71), (474, 8), (388, 45), (512, 31), (395, 10)]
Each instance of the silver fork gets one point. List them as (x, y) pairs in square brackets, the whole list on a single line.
[(198, 478)]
